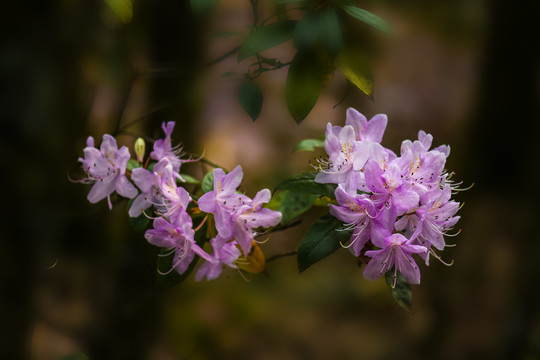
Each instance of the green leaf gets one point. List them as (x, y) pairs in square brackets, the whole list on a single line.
[(305, 80), (304, 183), (324, 201), (132, 164), (190, 179), (319, 28), (139, 223), (323, 238), (402, 292), (201, 7), (294, 204), (306, 32), (353, 64), (251, 99), (365, 16), (151, 166), (308, 145), (330, 31), (208, 182), (164, 263), (123, 9), (266, 37)]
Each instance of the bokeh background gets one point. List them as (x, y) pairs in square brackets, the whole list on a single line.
[(465, 71)]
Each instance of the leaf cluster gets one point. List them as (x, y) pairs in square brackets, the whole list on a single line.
[(323, 45)]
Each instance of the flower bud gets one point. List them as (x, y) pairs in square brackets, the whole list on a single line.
[(140, 148)]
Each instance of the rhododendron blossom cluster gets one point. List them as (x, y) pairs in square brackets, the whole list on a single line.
[(389, 210), (158, 195), (396, 206)]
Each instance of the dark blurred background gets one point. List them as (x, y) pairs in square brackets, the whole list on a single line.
[(464, 71)]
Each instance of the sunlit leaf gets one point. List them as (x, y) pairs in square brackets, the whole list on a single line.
[(254, 262), (308, 145), (304, 183), (251, 99), (123, 9), (323, 238), (266, 37), (305, 80), (201, 7), (402, 292), (369, 18), (207, 183), (353, 64)]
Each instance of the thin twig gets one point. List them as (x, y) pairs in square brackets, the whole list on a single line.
[(254, 7), (206, 161), (286, 226), (145, 116), (222, 57), (278, 256)]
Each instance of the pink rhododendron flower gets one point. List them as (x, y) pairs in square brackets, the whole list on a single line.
[(106, 170)]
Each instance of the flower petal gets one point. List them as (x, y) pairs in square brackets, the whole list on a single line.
[(100, 190), (376, 128), (125, 188)]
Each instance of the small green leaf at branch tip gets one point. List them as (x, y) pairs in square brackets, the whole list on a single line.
[(201, 7), (207, 183), (189, 179), (122, 9), (251, 99), (305, 183), (308, 145), (323, 238), (132, 164), (402, 292), (266, 37), (369, 18)]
